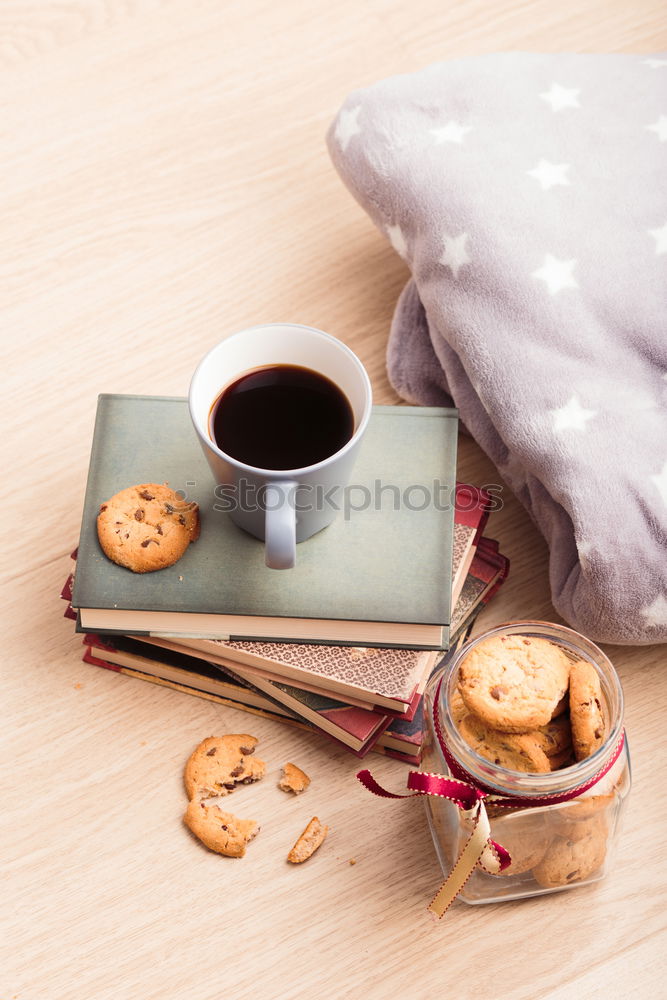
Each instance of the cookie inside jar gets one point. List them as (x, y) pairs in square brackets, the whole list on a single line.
[(531, 715), (528, 704)]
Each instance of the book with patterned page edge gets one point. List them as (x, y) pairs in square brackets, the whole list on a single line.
[(214, 683), (487, 573), (401, 739), (320, 710), (482, 574), (488, 570), (264, 712), (385, 679), (355, 727)]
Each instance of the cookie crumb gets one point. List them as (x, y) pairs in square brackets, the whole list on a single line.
[(78, 686), (293, 779), (352, 861), (309, 841)]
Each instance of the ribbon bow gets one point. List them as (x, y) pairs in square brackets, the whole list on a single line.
[(479, 848)]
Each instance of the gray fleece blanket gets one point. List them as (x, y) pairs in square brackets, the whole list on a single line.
[(527, 194)]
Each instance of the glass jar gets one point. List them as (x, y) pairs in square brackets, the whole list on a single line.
[(558, 827)]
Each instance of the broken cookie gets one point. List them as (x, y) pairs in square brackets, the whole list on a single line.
[(220, 763), (218, 830)]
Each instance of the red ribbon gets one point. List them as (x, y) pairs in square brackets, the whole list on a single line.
[(463, 795), (424, 783)]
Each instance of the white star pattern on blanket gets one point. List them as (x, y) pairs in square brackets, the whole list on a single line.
[(660, 128), (397, 240), (561, 97), (660, 483), (660, 237), (348, 126), (455, 254), (655, 63), (549, 174), (585, 550), (656, 612), (572, 417), (556, 274), (451, 132)]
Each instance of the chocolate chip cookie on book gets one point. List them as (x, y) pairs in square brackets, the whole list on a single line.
[(147, 527)]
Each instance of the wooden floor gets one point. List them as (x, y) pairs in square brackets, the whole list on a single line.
[(165, 182)]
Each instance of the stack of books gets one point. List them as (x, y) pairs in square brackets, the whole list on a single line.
[(345, 642)]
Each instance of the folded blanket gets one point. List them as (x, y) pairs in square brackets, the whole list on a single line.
[(527, 195)]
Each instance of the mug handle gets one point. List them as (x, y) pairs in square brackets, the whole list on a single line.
[(280, 524)]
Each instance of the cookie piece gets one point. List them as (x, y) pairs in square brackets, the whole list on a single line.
[(147, 527), (586, 712), (514, 683), (514, 751), (583, 816), (311, 838), (220, 763), (555, 738), (562, 706), (457, 708), (525, 834), (293, 779), (560, 760), (219, 831), (568, 861)]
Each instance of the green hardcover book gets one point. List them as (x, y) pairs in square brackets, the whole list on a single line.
[(380, 574)]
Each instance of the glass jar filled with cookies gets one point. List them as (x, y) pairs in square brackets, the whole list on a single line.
[(528, 717)]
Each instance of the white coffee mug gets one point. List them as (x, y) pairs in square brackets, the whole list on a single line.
[(282, 506)]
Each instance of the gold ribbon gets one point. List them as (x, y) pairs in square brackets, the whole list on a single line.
[(477, 849)]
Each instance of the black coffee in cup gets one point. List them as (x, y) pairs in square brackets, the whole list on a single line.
[(281, 417)]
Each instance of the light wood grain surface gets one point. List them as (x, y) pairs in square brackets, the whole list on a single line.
[(165, 182)]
